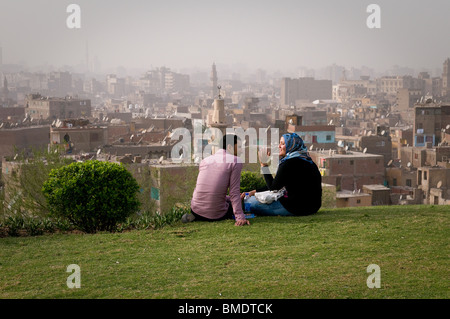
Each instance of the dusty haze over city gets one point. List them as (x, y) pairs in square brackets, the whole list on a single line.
[(277, 36)]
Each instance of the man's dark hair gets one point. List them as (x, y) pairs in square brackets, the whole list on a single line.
[(229, 139)]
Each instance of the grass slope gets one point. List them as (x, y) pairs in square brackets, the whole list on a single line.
[(320, 256)]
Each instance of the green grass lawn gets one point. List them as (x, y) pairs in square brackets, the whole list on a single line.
[(320, 256)]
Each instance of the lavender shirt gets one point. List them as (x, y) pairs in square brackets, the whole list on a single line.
[(217, 173)]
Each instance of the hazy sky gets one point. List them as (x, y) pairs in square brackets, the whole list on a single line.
[(275, 34)]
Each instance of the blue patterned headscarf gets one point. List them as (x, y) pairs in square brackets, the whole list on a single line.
[(295, 148)]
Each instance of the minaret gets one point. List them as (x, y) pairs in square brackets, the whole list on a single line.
[(5, 90), (218, 117), (87, 57), (213, 79), (218, 120)]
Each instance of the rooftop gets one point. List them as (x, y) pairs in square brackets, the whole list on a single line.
[(348, 154)]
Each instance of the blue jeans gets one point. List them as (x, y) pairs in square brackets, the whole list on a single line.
[(273, 209)]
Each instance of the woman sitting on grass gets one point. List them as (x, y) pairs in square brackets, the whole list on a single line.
[(297, 174)]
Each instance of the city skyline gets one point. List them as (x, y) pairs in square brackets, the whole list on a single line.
[(265, 35)]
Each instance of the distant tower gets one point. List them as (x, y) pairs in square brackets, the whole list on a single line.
[(446, 78), (213, 79), (1, 58), (87, 56), (5, 90), (218, 120)]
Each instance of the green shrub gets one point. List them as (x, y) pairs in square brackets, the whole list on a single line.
[(14, 224), (251, 181), (33, 226), (92, 195)]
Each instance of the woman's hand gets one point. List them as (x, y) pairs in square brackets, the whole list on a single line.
[(251, 193), (264, 156)]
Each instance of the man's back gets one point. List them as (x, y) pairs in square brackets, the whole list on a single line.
[(217, 173)]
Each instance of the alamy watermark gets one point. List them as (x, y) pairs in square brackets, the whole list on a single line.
[(374, 279), (74, 280), (73, 21), (374, 19), (193, 148)]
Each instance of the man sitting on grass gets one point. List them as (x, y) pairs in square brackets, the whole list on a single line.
[(217, 174)]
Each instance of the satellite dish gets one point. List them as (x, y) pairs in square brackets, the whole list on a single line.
[(291, 122), (370, 133), (383, 132), (365, 150), (389, 163), (346, 147), (331, 122), (99, 151), (439, 184), (163, 143), (341, 143), (131, 137), (409, 164), (447, 127), (160, 159), (311, 147)]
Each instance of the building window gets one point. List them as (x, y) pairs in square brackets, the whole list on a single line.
[(425, 176), (408, 182), (328, 137), (358, 201), (352, 162), (377, 161), (394, 182)]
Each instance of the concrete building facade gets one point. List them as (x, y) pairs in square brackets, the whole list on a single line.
[(351, 170), (307, 89), (39, 107)]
